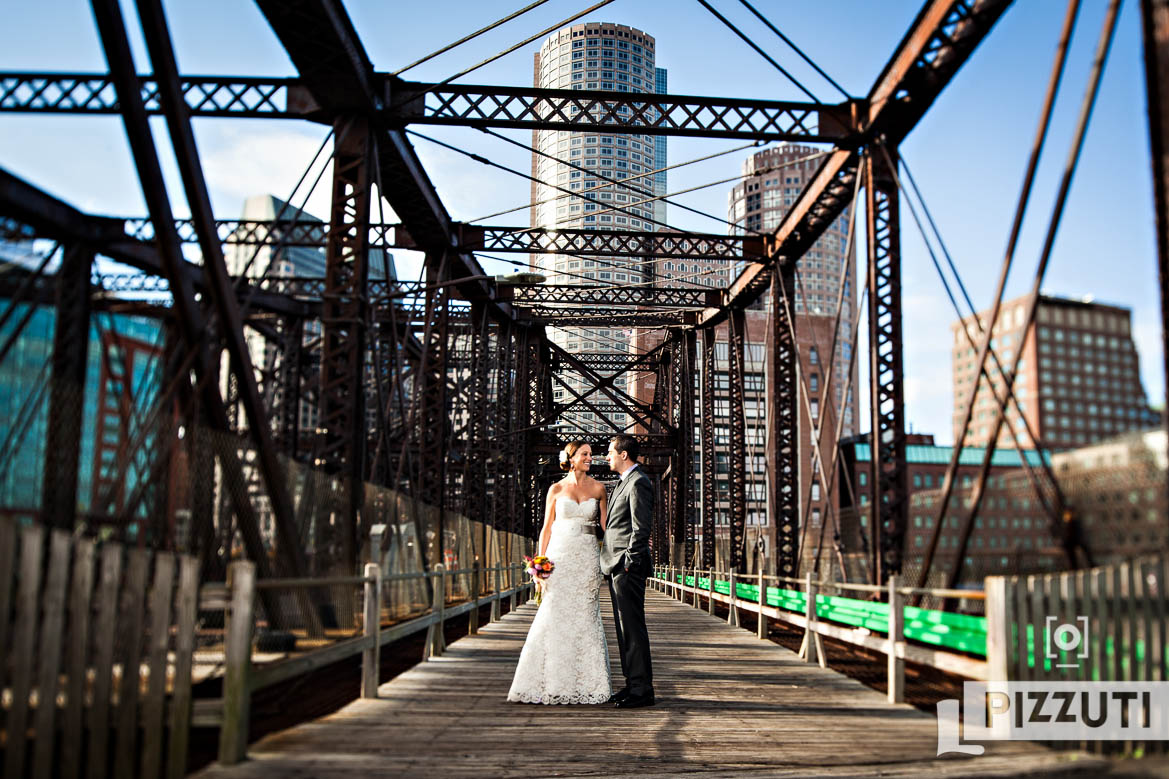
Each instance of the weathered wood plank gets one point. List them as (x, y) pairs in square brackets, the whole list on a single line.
[(49, 656), (153, 711), (237, 698), (727, 702), (80, 593), (23, 641), (107, 620), (129, 629), (186, 604)]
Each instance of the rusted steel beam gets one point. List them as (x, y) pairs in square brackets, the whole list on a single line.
[(940, 40), (890, 496), (737, 454), (1155, 26), (67, 388), (709, 477), (783, 439), (533, 108)]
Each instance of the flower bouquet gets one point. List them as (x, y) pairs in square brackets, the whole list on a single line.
[(540, 568)]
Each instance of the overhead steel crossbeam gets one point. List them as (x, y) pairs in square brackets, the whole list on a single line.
[(604, 317), (532, 108), (93, 93), (613, 361), (562, 294), (405, 102), (938, 43), (605, 243), (475, 238)]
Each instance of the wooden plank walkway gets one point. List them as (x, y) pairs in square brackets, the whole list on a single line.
[(727, 703)]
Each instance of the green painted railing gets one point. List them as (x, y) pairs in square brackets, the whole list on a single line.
[(957, 632)]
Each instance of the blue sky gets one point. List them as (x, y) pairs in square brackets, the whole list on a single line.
[(968, 154)]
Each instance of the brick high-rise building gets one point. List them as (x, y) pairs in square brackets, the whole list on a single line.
[(772, 181), (1078, 380)]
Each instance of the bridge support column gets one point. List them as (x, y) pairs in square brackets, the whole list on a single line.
[(682, 466), (737, 455), (67, 389), (709, 478), (344, 315), (783, 432), (1155, 23), (886, 390)]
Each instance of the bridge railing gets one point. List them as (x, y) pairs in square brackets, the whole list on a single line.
[(948, 641), (255, 657), (96, 643), (1109, 623)]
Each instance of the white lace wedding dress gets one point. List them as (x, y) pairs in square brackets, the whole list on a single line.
[(565, 658)]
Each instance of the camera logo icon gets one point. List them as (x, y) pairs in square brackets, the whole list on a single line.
[(1065, 637)]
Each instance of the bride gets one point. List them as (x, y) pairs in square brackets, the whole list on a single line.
[(565, 658)]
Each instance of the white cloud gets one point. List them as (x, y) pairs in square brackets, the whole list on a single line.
[(245, 159)]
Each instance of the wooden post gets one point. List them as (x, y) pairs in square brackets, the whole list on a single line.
[(998, 632), (495, 609), (511, 586), (434, 634), (732, 610), (371, 656), (896, 639), (473, 618), (761, 626), (237, 696), (710, 600), (812, 649)]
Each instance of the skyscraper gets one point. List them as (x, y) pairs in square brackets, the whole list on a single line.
[(613, 183), (1078, 381), (771, 183)]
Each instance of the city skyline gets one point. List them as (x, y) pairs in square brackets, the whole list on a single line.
[(968, 155)]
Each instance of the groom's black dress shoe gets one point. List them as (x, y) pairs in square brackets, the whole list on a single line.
[(619, 696), (636, 701)]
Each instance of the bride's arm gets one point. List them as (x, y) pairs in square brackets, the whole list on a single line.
[(549, 518), (604, 509)]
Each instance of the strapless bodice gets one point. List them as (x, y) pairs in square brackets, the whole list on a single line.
[(567, 508)]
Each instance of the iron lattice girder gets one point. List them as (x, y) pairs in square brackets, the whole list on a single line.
[(93, 93), (888, 471), (533, 108), (603, 317), (656, 297), (609, 243), (450, 104), (522, 240), (612, 362), (783, 439)]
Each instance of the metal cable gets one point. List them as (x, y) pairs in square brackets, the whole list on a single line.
[(795, 48), (624, 181), (608, 180), (760, 51), (504, 53), (466, 38)]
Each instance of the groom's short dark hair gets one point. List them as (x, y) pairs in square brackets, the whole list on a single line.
[(627, 444)]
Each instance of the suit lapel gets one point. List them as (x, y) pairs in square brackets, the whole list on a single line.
[(620, 486)]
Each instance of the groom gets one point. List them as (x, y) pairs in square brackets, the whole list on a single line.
[(626, 563)]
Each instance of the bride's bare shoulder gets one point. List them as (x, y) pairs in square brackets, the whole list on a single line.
[(596, 488)]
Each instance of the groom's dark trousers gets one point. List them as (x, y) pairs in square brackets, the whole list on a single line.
[(627, 590)]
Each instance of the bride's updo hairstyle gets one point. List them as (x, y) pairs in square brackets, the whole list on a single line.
[(571, 449)]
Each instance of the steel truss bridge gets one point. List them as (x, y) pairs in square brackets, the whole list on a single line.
[(443, 390)]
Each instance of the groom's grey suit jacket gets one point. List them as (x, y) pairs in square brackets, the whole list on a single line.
[(630, 519)]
